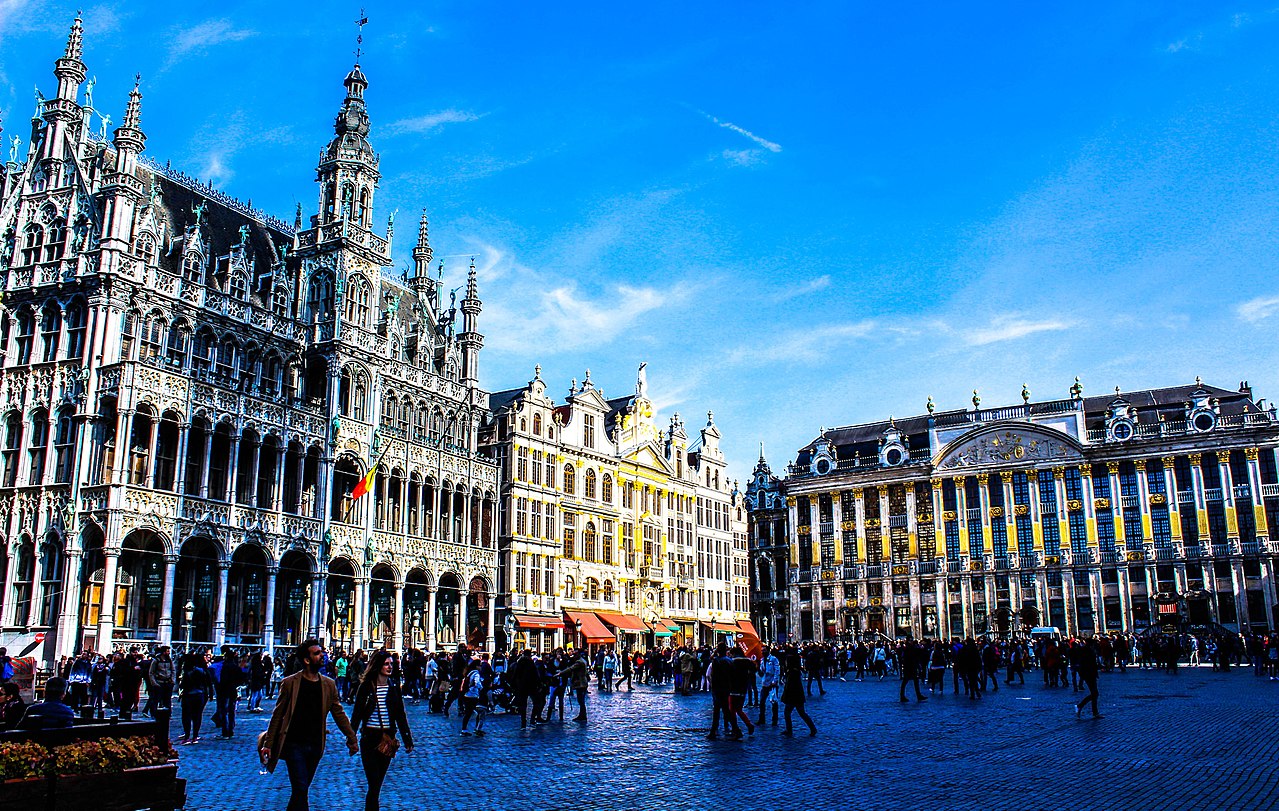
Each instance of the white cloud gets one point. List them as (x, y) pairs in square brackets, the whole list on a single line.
[(1008, 328), (804, 288), (743, 157), (1258, 309), (198, 39), (431, 122), (728, 125), (807, 346)]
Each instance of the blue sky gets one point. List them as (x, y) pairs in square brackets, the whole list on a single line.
[(800, 216)]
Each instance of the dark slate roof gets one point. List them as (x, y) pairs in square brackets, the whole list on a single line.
[(499, 400), (1150, 404)]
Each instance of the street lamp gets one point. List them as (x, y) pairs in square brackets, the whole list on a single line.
[(417, 624), (579, 634), (188, 611)]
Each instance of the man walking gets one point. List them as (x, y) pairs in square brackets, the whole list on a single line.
[(298, 727), (578, 675), (770, 673), (626, 671), (912, 661), (1086, 666), (160, 680), (721, 678), (227, 678), (525, 681)]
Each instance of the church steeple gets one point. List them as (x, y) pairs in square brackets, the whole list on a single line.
[(421, 281), (470, 338), (69, 69), (62, 112)]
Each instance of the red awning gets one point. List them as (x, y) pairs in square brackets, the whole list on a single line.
[(724, 627), (747, 627), (623, 622), (592, 629), (531, 621)]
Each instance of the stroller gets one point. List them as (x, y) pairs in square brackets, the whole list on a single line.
[(499, 697)]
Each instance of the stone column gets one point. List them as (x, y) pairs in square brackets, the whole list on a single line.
[(462, 595), (885, 545), (233, 469), (1090, 512), (491, 640), (1257, 495), (1268, 587), (255, 458), (1174, 508), (792, 524), (1036, 514), (912, 525), (268, 626), (1143, 502), (961, 515), (219, 624), (859, 516), (1228, 497), (1201, 501), (208, 459), (431, 619), (397, 638), (68, 619), (151, 460), (165, 631), (106, 615), (361, 611), (180, 461), (124, 445), (837, 532), (277, 498)]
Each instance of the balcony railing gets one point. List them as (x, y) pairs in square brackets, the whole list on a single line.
[(1212, 494), (974, 515)]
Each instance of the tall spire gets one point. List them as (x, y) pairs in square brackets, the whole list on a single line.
[(129, 138), (69, 70), (422, 252), (133, 110)]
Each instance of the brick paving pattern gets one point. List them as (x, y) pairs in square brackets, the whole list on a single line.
[(1195, 740)]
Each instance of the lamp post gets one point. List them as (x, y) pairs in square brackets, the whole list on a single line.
[(579, 635), (188, 612), (417, 624)]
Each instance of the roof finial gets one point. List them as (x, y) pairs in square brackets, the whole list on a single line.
[(1116, 391), (1025, 394), (1199, 381), (133, 111), (537, 371), (710, 417), (761, 450), (930, 405), (1076, 389), (976, 400), (75, 40)]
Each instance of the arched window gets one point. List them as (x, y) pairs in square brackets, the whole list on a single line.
[(146, 249), (32, 244), (64, 446), (154, 335), (193, 268), (176, 350), (389, 408), (569, 586), (319, 297), (224, 363), (570, 480), (280, 302), (12, 442), (77, 320), (590, 545), (362, 213), (608, 591), (537, 425), (270, 375), (405, 415), (606, 490), (348, 199), (50, 330), (590, 483), (202, 352), (56, 243), (129, 334), (592, 588), (357, 300), (239, 287), (38, 447), (359, 398)]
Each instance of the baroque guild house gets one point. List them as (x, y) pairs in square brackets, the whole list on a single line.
[(1124, 512), (614, 531), (192, 390)]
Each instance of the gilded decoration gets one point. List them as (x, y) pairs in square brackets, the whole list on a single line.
[(847, 525), (1112, 468), (1021, 509), (1013, 445), (1135, 556), (804, 530), (1101, 503), (1196, 459), (872, 523), (1158, 499), (996, 512), (1251, 454), (949, 515), (1074, 505)]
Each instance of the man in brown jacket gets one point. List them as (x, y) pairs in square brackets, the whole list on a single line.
[(299, 729)]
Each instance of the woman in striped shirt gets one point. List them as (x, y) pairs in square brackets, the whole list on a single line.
[(378, 712)]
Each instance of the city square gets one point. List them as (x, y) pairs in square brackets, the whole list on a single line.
[(1187, 741), (419, 420)]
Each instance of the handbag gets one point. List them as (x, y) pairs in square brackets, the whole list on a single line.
[(389, 744)]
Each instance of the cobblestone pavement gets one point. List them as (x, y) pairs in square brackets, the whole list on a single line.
[(1198, 739)]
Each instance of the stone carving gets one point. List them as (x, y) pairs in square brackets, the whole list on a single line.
[(1005, 447)]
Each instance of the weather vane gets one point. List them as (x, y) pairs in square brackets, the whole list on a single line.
[(359, 38)]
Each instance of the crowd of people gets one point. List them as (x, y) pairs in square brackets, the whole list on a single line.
[(314, 683)]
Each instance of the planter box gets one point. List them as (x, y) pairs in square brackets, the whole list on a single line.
[(151, 787), (30, 793)]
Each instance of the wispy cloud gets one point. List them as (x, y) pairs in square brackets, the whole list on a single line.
[(431, 122), (728, 125), (1010, 328), (1258, 309), (803, 346), (198, 39), (804, 288)]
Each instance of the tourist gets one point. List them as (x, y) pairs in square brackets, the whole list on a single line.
[(227, 676), (298, 728), (12, 707), (1085, 663), (626, 664), (524, 682), (194, 689), (471, 700), (770, 672), (913, 660), (160, 680), (51, 713), (793, 693), (741, 682), (378, 713), (720, 674), (577, 673)]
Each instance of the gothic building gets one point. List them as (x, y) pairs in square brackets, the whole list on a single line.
[(614, 531), (191, 390), (1124, 512)]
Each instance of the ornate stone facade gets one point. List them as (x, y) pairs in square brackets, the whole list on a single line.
[(192, 389), (1090, 514), (612, 521)]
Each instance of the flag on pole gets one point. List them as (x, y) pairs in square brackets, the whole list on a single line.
[(365, 484)]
